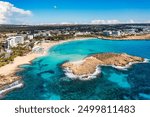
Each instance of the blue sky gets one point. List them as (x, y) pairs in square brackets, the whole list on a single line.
[(84, 11)]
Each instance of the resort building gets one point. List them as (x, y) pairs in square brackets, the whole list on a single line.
[(46, 34), (36, 34), (116, 33), (130, 31), (146, 30), (107, 33), (82, 33), (14, 41), (30, 37)]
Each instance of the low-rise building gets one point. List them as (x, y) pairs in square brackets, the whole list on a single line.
[(82, 33), (30, 37), (38, 49), (146, 30), (130, 31), (46, 34), (36, 34)]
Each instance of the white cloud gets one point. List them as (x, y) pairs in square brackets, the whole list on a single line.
[(11, 14), (68, 23), (142, 21), (148, 21), (105, 22), (131, 21)]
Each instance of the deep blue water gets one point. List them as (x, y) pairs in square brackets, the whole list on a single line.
[(45, 80)]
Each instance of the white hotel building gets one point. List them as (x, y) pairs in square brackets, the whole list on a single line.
[(14, 41)]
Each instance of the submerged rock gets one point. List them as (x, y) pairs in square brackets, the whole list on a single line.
[(87, 67)]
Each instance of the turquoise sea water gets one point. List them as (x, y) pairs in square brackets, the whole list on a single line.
[(45, 80)]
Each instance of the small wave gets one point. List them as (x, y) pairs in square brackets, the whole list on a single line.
[(130, 64), (70, 74), (146, 60), (17, 84)]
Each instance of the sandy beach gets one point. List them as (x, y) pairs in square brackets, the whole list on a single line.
[(134, 37), (13, 67), (7, 72)]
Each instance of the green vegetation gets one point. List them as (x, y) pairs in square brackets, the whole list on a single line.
[(86, 35), (60, 37), (38, 38), (16, 51), (1, 46), (20, 51)]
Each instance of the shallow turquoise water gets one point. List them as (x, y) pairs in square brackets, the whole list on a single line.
[(45, 80)]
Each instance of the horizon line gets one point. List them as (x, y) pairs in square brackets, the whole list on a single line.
[(72, 24)]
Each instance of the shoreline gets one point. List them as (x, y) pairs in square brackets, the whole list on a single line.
[(10, 87), (86, 68), (128, 38), (98, 71), (9, 71), (13, 67), (84, 77), (8, 82)]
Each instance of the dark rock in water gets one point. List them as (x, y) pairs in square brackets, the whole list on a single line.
[(139, 79), (49, 71), (44, 65), (142, 79)]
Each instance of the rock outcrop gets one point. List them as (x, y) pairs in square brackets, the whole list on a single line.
[(89, 64)]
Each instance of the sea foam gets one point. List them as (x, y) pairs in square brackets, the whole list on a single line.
[(130, 64), (16, 84), (97, 72), (70, 74)]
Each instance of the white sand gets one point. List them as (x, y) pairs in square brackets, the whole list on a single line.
[(13, 67)]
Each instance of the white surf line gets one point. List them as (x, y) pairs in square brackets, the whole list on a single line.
[(130, 64), (70, 74), (10, 87)]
